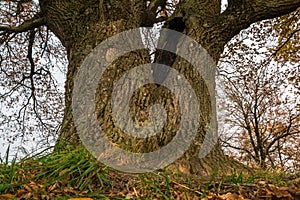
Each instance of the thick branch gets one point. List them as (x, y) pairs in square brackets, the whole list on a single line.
[(153, 6), (25, 26), (240, 14), (150, 14)]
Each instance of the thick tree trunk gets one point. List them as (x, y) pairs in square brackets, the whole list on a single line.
[(82, 25), (193, 27)]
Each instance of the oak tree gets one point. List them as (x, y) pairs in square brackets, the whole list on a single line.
[(82, 25)]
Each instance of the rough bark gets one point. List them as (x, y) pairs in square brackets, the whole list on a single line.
[(81, 25)]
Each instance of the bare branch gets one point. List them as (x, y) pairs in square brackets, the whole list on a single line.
[(228, 144), (25, 26), (281, 136)]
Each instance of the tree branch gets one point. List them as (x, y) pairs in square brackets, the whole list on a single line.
[(25, 26), (154, 4), (286, 41), (160, 19), (281, 136), (240, 148), (240, 14)]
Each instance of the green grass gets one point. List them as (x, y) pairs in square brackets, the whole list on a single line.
[(7, 172), (75, 169), (76, 173)]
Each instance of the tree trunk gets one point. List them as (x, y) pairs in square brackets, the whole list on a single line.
[(82, 25)]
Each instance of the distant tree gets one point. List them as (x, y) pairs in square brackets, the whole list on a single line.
[(31, 101), (81, 25), (268, 121), (259, 102)]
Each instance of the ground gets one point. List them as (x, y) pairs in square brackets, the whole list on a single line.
[(75, 174)]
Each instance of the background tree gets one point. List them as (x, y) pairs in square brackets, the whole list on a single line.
[(263, 115), (261, 120), (31, 99), (81, 25)]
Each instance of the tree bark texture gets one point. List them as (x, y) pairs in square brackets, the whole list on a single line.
[(82, 25)]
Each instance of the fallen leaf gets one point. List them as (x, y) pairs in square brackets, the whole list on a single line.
[(283, 188), (53, 187), (283, 194), (231, 196), (6, 196), (27, 196), (70, 190), (262, 182), (21, 192), (129, 196), (27, 188), (80, 199)]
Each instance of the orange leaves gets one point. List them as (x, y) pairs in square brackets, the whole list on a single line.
[(288, 28), (255, 191), (6, 196), (228, 196), (259, 104), (155, 186)]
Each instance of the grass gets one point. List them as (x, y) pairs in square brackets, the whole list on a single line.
[(75, 173), (7, 172), (75, 169)]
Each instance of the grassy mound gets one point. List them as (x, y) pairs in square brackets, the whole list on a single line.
[(76, 174)]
